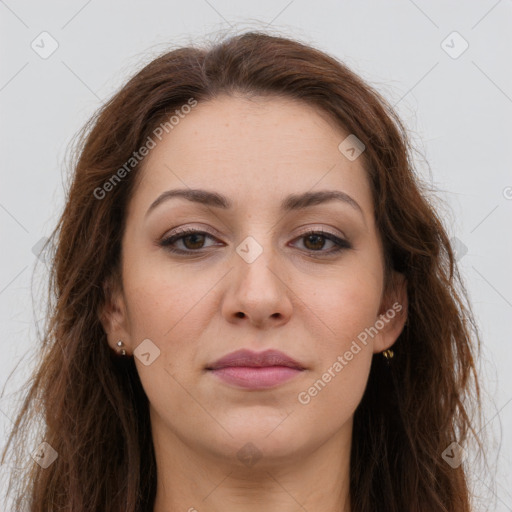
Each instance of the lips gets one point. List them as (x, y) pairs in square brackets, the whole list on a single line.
[(253, 371), (248, 359)]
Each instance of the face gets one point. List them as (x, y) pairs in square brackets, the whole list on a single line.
[(263, 270)]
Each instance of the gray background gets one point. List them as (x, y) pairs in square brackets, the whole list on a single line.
[(457, 108)]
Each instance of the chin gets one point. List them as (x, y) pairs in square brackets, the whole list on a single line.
[(270, 438)]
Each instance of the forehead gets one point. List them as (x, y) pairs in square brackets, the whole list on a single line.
[(262, 148)]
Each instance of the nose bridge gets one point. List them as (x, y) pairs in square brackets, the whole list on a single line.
[(257, 222), (257, 261), (258, 290)]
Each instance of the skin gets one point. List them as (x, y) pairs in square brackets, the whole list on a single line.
[(256, 152)]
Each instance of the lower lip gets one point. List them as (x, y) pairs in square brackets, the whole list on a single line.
[(256, 378)]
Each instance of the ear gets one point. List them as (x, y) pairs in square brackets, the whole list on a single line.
[(113, 315), (392, 314)]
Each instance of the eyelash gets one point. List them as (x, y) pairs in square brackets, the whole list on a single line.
[(341, 243)]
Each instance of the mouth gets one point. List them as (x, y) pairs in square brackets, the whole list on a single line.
[(252, 370)]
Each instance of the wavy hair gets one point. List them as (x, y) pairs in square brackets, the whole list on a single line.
[(90, 405)]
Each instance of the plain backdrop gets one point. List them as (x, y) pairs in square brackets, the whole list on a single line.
[(445, 66)]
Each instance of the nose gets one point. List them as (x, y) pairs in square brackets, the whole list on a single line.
[(258, 292)]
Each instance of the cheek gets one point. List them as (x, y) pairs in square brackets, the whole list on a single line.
[(346, 304), (334, 393), (344, 355), (173, 310), (168, 310), (348, 307), (165, 304)]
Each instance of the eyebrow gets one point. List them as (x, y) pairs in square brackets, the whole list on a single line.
[(294, 202)]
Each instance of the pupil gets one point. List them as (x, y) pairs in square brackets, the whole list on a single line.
[(188, 237), (317, 238)]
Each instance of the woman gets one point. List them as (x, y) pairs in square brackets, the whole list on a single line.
[(255, 306)]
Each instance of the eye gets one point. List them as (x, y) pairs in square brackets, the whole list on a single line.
[(193, 241), (314, 241)]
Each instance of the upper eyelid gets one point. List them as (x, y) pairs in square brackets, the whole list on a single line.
[(312, 226), (183, 232), (214, 233)]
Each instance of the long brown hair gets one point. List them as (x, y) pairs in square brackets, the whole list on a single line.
[(92, 406)]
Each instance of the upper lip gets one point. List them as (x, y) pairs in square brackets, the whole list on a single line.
[(255, 359)]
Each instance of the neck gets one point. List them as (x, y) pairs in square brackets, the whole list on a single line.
[(189, 479)]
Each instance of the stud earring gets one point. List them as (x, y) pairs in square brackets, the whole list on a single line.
[(121, 350), (388, 355)]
